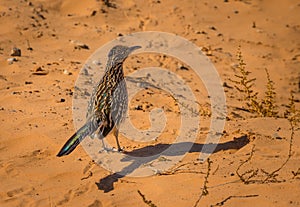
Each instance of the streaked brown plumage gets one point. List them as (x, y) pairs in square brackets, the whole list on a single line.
[(108, 102)]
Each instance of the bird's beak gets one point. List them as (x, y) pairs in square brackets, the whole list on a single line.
[(131, 49)]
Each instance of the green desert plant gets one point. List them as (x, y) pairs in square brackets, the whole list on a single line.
[(291, 113), (269, 107), (244, 84)]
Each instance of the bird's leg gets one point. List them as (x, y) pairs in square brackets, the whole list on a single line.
[(99, 136), (116, 134), (104, 146)]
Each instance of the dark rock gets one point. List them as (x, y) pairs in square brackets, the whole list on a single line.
[(15, 52)]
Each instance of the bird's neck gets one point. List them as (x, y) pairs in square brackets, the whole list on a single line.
[(114, 70), (112, 64)]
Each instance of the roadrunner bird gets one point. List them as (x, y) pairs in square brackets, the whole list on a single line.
[(108, 102)]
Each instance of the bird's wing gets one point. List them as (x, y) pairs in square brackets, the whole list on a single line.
[(119, 103), (108, 102)]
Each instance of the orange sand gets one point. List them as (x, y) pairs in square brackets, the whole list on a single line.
[(35, 123)]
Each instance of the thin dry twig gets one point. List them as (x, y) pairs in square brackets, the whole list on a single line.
[(246, 176), (178, 169), (148, 202), (271, 177), (295, 174), (293, 117), (231, 197), (204, 188), (89, 175)]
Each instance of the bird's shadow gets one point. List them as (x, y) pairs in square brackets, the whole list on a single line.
[(147, 154)]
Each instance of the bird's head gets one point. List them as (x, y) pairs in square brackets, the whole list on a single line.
[(119, 53)]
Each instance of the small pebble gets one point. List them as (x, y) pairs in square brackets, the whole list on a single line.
[(138, 107), (79, 45), (93, 13), (212, 28), (96, 62), (11, 60), (182, 67), (66, 72), (15, 52), (39, 71)]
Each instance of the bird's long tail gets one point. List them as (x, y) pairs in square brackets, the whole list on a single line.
[(74, 140)]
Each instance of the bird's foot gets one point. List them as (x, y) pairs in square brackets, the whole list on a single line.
[(107, 150), (120, 149)]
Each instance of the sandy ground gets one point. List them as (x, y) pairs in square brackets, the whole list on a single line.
[(37, 91)]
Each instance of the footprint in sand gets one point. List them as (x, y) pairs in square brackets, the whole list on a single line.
[(96, 203), (15, 192), (74, 193), (20, 191), (10, 170)]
